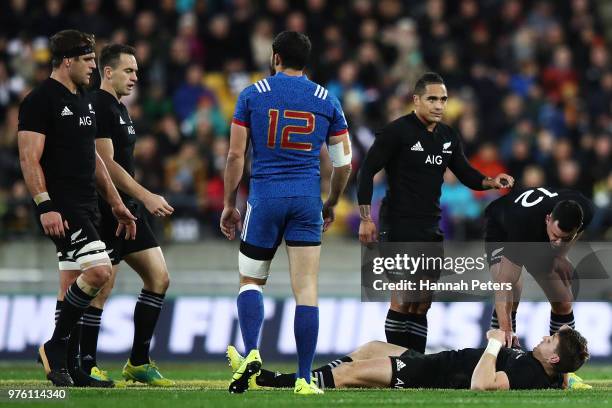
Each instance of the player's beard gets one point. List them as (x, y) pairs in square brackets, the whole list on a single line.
[(272, 70)]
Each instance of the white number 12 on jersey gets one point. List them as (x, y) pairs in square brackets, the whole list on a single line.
[(524, 197)]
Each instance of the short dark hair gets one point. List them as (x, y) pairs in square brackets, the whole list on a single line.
[(293, 48), (110, 54), (569, 214), (427, 78), (64, 41), (572, 351)]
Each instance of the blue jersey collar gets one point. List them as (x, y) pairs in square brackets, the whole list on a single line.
[(283, 75)]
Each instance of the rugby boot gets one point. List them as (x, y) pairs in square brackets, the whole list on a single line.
[(52, 356), (146, 373), (249, 367), (235, 360), (304, 388)]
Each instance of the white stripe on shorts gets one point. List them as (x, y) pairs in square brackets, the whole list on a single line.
[(245, 227)]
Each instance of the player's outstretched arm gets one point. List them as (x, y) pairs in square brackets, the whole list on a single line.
[(340, 154), (506, 272), (472, 178), (111, 196), (484, 377), (31, 146), (230, 218), (155, 204)]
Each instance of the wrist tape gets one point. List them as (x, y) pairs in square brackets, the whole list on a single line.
[(493, 347)]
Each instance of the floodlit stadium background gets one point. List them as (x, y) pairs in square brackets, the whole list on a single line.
[(531, 93)]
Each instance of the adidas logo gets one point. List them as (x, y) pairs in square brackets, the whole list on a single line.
[(66, 112), (417, 147), (121, 121), (88, 357), (400, 364)]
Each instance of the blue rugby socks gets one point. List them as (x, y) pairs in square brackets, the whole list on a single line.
[(250, 315), (306, 331)]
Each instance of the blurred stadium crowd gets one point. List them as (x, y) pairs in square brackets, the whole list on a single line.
[(530, 85)]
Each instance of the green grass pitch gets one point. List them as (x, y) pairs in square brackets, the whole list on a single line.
[(205, 385)]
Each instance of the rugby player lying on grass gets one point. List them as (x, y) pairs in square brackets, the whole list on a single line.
[(382, 365)]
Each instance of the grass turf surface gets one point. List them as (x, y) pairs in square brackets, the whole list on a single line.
[(203, 385)]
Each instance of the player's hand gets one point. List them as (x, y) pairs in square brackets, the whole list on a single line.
[(126, 221), (230, 219), (510, 339), (157, 205), (52, 224), (367, 231), (328, 215), (497, 334), (564, 268), (502, 180)]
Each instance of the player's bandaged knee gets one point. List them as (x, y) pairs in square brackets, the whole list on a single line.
[(493, 347), (86, 287), (253, 268), (92, 254), (340, 153)]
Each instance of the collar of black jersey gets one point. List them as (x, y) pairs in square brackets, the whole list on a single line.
[(413, 116), (105, 94), (80, 90)]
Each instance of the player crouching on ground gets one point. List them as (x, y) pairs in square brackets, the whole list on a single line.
[(382, 365)]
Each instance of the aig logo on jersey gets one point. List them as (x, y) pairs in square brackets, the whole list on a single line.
[(433, 159), (85, 121), (130, 128)]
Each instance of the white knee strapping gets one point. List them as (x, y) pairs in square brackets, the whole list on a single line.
[(92, 254), (252, 268), (250, 286)]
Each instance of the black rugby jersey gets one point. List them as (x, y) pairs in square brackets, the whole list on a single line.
[(68, 122), (415, 160), (453, 369), (521, 213), (114, 122)]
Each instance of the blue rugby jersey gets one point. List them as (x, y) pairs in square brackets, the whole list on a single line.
[(289, 119)]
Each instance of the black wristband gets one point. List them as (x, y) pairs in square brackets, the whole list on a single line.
[(45, 207)]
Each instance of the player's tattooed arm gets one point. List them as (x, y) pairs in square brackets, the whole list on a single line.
[(367, 228), (365, 212)]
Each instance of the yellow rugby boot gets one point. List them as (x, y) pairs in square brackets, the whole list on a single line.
[(147, 374)]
